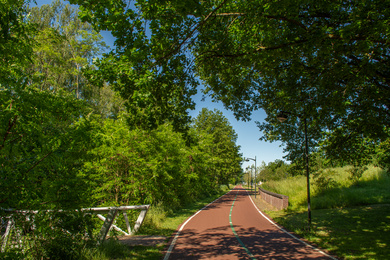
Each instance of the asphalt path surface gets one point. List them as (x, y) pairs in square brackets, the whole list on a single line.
[(233, 228)]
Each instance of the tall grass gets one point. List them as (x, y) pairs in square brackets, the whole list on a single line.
[(345, 220), (335, 188), (294, 188)]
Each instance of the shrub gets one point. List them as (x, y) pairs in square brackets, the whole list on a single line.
[(323, 180), (50, 235), (356, 173)]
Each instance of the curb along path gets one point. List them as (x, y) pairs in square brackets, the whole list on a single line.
[(232, 227)]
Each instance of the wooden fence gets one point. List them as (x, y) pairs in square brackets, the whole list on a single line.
[(108, 220)]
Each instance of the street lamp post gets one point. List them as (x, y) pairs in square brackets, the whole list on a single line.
[(247, 170), (247, 159), (283, 117)]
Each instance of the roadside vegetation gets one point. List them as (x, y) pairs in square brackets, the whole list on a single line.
[(83, 125), (350, 216), (69, 139)]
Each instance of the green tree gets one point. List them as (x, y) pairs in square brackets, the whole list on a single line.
[(64, 45), (65, 48), (136, 166), (156, 92), (275, 170), (43, 147), (218, 140), (44, 134)]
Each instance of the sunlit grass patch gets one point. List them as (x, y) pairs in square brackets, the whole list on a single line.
[(113, 249), (350, 218), (371, 188), (351, 233)]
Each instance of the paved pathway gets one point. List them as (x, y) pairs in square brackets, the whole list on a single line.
[(233, 228)]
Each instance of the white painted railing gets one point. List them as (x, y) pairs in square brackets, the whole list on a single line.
[(108, 221)]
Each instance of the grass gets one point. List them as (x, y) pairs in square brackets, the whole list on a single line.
[(349, 233), (112, 249), (350, 218)]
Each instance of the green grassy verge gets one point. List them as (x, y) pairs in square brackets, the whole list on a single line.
[(112, 249), (350, 219), (349, 233)]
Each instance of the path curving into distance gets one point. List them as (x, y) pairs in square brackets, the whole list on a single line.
[(232, 227)]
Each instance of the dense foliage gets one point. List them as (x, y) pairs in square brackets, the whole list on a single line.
[(68, 140), (51, 132), (80, 126), (217, 139)]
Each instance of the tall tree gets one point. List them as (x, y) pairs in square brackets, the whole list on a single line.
[(324, 60), (65, 47), (157, 91), (138, 166), (218, 140), (44, 134)]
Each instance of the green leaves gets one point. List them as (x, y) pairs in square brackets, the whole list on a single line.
[(138, 166), (45, 131), (64, 45), (217, 143), (327, 60), (158, 90), (37, 146)]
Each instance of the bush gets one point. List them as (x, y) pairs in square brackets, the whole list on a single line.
[(50, 235), (356, 173), (323, 180)]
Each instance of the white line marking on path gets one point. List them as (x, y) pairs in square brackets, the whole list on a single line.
[(185, 223), (288, 233)]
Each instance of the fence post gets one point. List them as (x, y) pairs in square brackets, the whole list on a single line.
[(140, 219), (127, 223), (10, 224), (107, 224)]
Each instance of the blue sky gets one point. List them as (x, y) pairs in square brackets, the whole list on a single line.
[(248, 133)]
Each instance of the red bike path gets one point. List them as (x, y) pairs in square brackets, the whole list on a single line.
[(233, 228)]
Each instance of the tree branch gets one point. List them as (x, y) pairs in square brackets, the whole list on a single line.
[(229, 14), (266, 16), (357, 38), (178, 46), (39, 161), (11, 124), (286, 19), (258, 49)]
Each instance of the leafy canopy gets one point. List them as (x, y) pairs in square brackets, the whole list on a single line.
[(327, 61)]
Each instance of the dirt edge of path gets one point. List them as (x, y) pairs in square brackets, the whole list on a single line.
[(143, 240)]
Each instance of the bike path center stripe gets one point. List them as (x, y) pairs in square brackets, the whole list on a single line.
[(235, 233), (170, 249)]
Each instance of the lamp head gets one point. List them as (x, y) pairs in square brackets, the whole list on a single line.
[(282, 117)]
